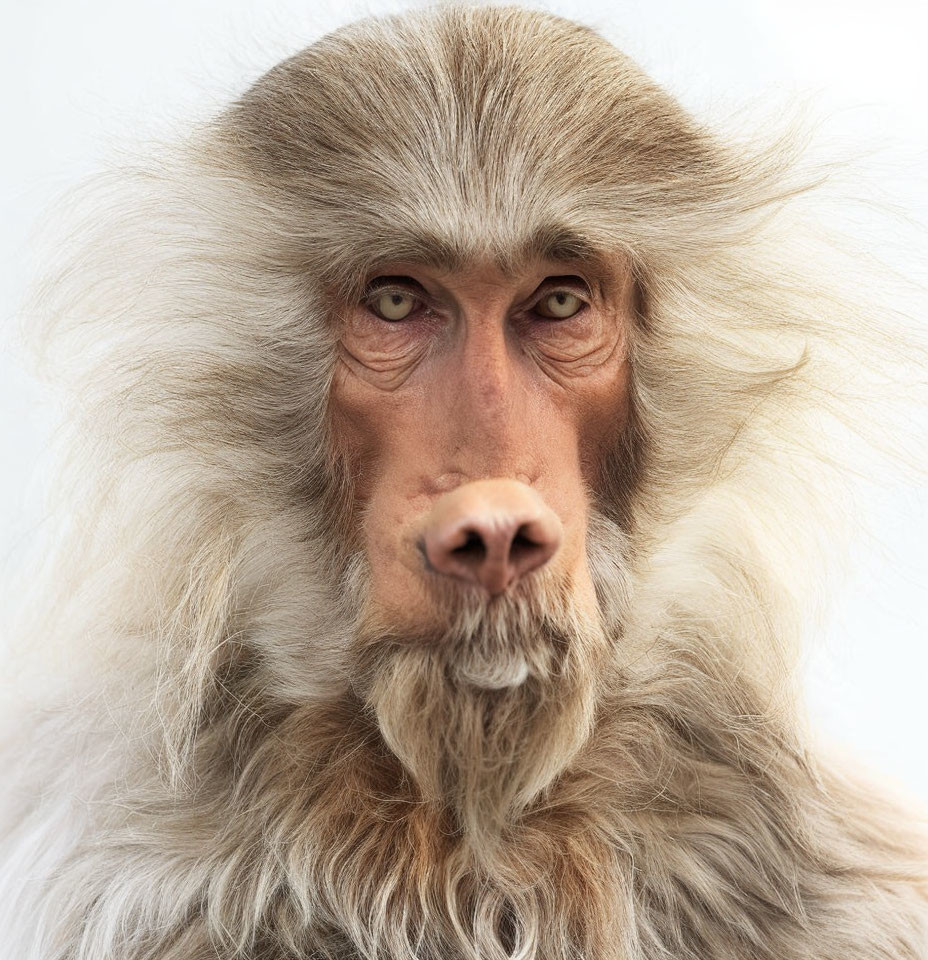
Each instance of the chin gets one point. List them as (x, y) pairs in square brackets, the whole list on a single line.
[(486, 706)]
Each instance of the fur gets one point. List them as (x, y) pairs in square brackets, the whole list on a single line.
[(244, 764)]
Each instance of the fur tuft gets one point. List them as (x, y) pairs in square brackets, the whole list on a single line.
[(225, 777)]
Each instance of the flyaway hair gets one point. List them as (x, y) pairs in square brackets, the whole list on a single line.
[(219, 780)]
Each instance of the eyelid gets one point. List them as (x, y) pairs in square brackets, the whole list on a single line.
[(569, 284), (387, 284)]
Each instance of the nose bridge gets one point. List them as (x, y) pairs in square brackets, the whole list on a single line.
[(488, 396)]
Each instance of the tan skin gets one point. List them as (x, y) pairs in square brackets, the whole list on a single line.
[(449, 378)]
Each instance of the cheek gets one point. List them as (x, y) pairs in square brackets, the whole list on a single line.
[(367, 428), (376, 435), (602, 422)]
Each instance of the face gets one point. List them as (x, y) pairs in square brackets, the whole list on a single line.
[(474, 408)]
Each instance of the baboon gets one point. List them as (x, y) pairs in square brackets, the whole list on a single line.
[(458, 422)]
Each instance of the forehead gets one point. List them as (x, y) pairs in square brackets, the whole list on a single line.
[(455, 136)]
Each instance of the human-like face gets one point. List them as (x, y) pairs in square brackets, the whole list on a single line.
[(475, 408)]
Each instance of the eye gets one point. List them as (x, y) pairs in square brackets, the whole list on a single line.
[(392, 305), (559, 305)]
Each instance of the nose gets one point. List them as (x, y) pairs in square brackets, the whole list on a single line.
[(491, 532)]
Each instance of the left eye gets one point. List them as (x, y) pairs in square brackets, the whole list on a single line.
[(559, 305), (393, 306)]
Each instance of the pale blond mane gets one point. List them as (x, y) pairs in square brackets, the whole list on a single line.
[(210, 583)]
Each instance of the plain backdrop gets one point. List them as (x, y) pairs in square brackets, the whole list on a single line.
[(80, 80)]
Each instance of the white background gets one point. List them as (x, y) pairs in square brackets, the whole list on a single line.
[(78, 79)]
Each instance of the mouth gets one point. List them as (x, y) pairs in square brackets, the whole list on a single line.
[(481, 642), (500, 675)]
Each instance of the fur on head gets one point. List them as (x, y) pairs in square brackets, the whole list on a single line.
[(261, 768)]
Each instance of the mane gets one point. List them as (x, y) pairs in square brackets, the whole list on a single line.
[(205, 584)]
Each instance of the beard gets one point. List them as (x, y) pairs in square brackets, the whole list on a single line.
[(487, 704)]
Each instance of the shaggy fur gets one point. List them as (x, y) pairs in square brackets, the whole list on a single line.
[(248, 764)]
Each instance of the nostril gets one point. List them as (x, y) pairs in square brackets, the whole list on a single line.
[(473, 548), (522, 543)]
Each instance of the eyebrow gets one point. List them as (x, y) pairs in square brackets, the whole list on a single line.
[(557, 242), (548, 242), (554, 241)]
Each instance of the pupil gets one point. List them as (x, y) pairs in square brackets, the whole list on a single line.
[(397, 299), (561, 298)]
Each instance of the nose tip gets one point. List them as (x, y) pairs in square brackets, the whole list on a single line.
[(491, 532)]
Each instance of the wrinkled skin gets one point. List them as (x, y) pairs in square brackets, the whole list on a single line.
[(477, 383)]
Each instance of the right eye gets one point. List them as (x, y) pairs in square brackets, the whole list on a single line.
[(393, 298), (392, 305)]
